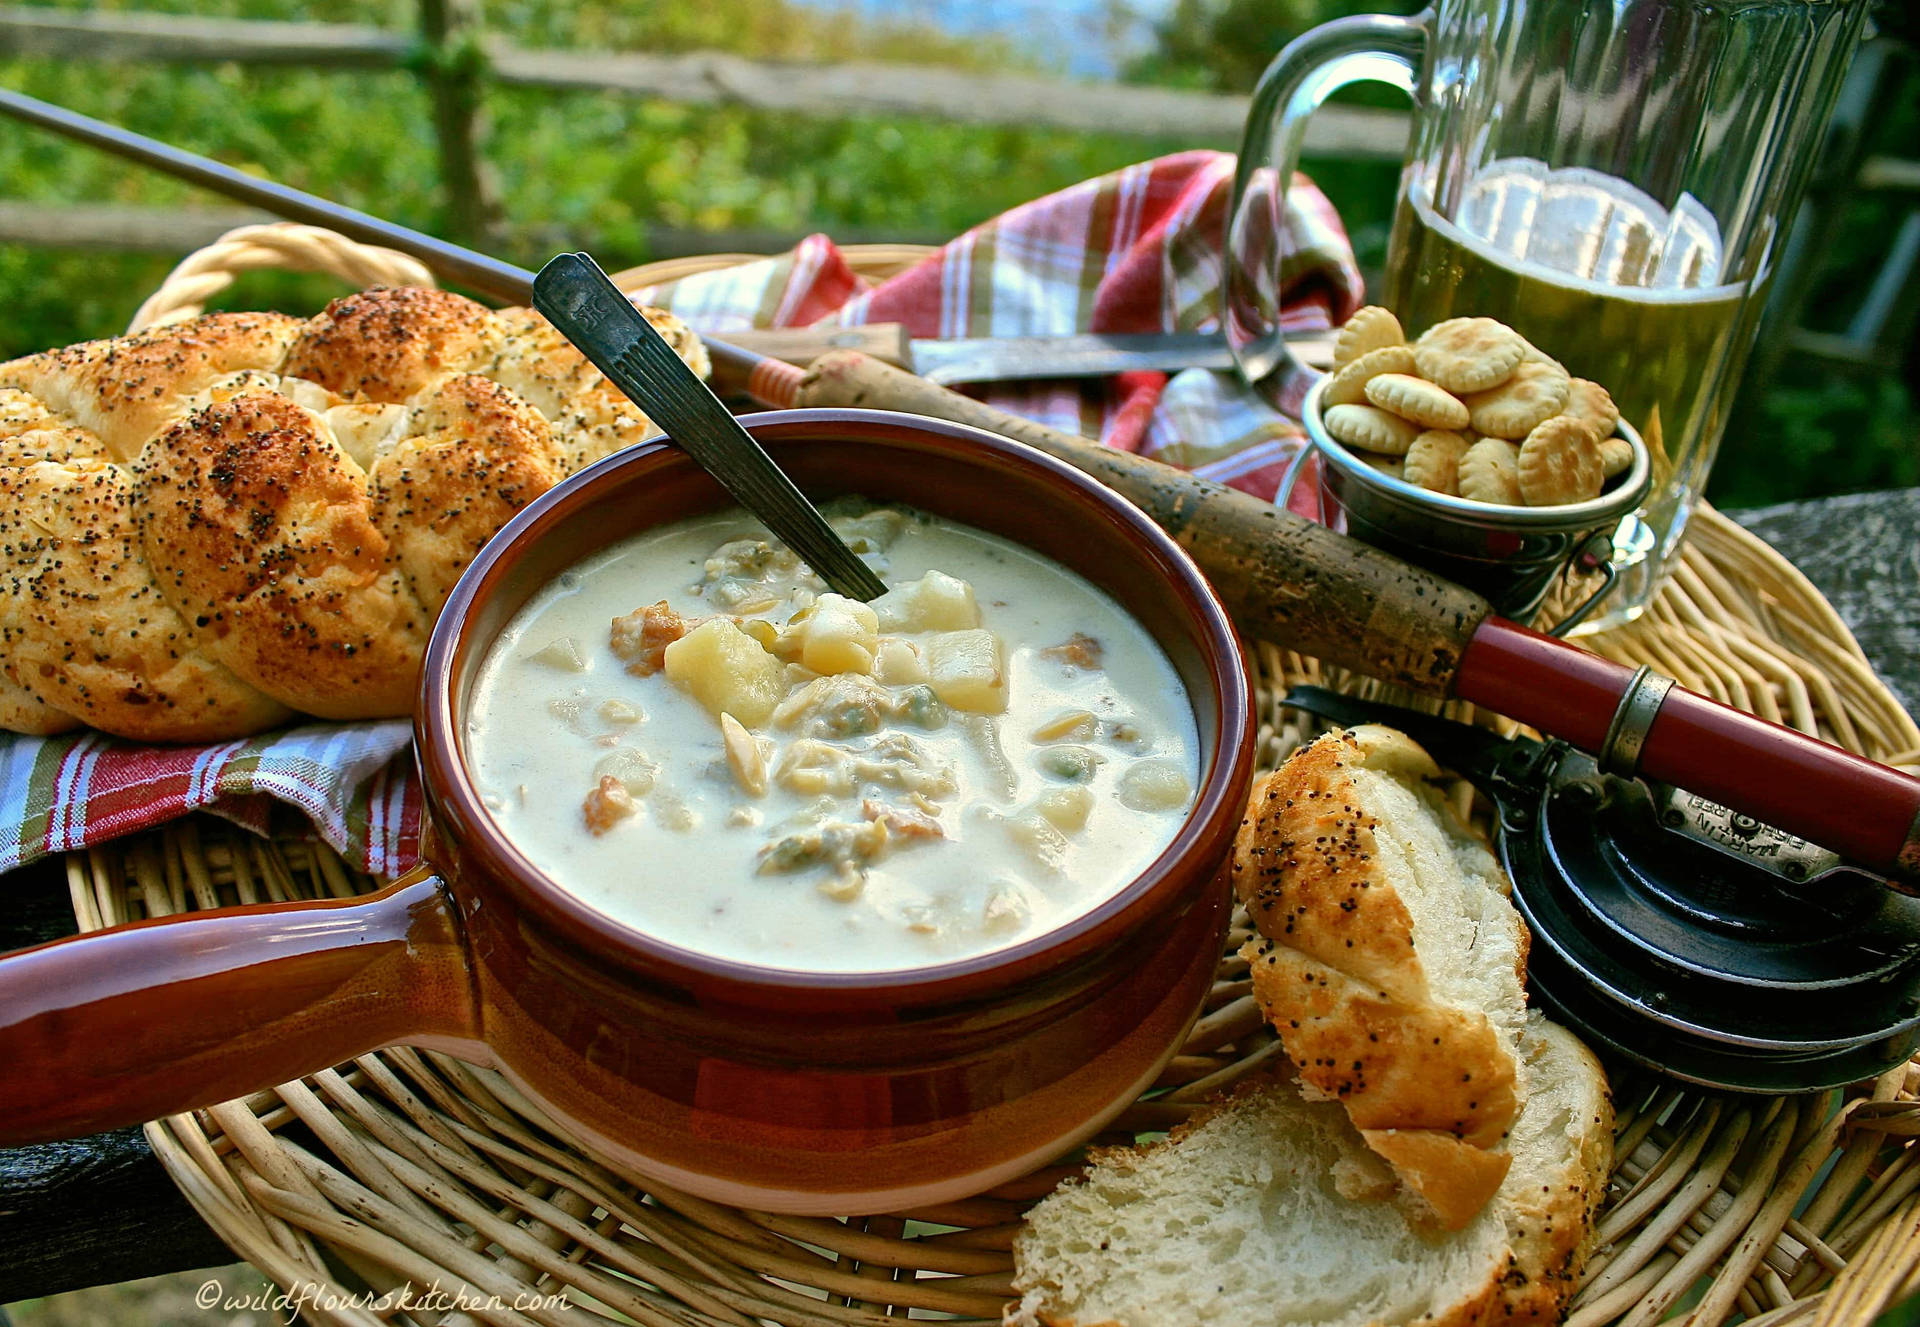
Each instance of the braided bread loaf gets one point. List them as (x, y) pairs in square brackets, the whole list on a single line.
[(210, 526)]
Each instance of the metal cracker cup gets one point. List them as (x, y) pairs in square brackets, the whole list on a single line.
[(1512, 555)]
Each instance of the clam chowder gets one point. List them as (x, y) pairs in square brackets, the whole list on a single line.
[(690, 734)]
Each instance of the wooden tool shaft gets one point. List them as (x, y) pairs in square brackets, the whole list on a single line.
[(1286, 580)]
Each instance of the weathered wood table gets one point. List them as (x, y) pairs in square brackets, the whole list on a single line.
[(100, 1209)]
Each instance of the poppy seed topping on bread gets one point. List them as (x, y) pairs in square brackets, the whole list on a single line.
[(1434, 1153)]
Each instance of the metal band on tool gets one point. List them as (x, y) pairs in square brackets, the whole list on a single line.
[(1906, 873), (1632, 721)]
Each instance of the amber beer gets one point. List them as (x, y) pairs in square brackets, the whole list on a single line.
[(1604, 280), (1612, 177)]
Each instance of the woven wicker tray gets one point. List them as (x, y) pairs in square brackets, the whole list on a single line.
[(412, 1166)]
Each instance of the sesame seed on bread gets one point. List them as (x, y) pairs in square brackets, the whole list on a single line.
[(261, 530), (1369, 1183), (90, 630)]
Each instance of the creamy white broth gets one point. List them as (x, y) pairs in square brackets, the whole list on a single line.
[(973, 853)]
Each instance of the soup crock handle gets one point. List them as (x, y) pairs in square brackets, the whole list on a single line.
[(157, 1017)]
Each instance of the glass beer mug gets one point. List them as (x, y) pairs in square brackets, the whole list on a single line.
[(1612, 179)]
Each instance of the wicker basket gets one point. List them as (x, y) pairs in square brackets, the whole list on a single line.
[(430, 1171)]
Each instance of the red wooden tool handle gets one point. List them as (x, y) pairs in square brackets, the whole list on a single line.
[(1863, 810), (158, 1017)]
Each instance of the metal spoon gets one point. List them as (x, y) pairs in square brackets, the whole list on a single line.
[(579, 299)]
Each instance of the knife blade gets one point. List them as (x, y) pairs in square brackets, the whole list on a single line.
[(1013, 358), (1089, 355)]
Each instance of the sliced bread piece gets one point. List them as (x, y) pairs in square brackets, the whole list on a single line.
[(1271, 1209), (1562, 1148), (1389, 960)]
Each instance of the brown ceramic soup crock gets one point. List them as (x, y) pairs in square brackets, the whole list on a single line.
[(776, 1089)]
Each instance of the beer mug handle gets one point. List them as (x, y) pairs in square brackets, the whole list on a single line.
[(1376, 47)]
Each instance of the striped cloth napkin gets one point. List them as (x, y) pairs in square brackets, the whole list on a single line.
[(1134, 251)]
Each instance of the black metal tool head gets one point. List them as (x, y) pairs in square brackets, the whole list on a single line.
[(1680, 934)]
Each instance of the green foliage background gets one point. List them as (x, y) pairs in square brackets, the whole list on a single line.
[(602, 169)]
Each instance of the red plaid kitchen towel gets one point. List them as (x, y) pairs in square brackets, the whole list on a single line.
[(353, 781), (1134, 251)]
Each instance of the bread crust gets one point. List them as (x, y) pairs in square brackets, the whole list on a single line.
[(1337, 974), (98, 642), (125, 389), (218, 522), (1306, 867), (23, 712), (22, 414), (1392, 1063), (1543, 1214), (477, 456), (1550, 1210), (1368, 1032), (591, 418), (392, 342), (261, 523), (1454, 1177), (23, 546)]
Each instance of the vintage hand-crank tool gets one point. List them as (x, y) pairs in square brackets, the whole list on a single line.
[(1674, 931)]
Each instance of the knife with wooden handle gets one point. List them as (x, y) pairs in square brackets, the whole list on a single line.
[(1297, 584)]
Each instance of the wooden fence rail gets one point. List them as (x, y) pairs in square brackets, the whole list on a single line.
[(700, 77), (150, 38), (455, 60)]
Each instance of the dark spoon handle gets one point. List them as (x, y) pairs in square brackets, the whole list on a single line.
[(579, 299)]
